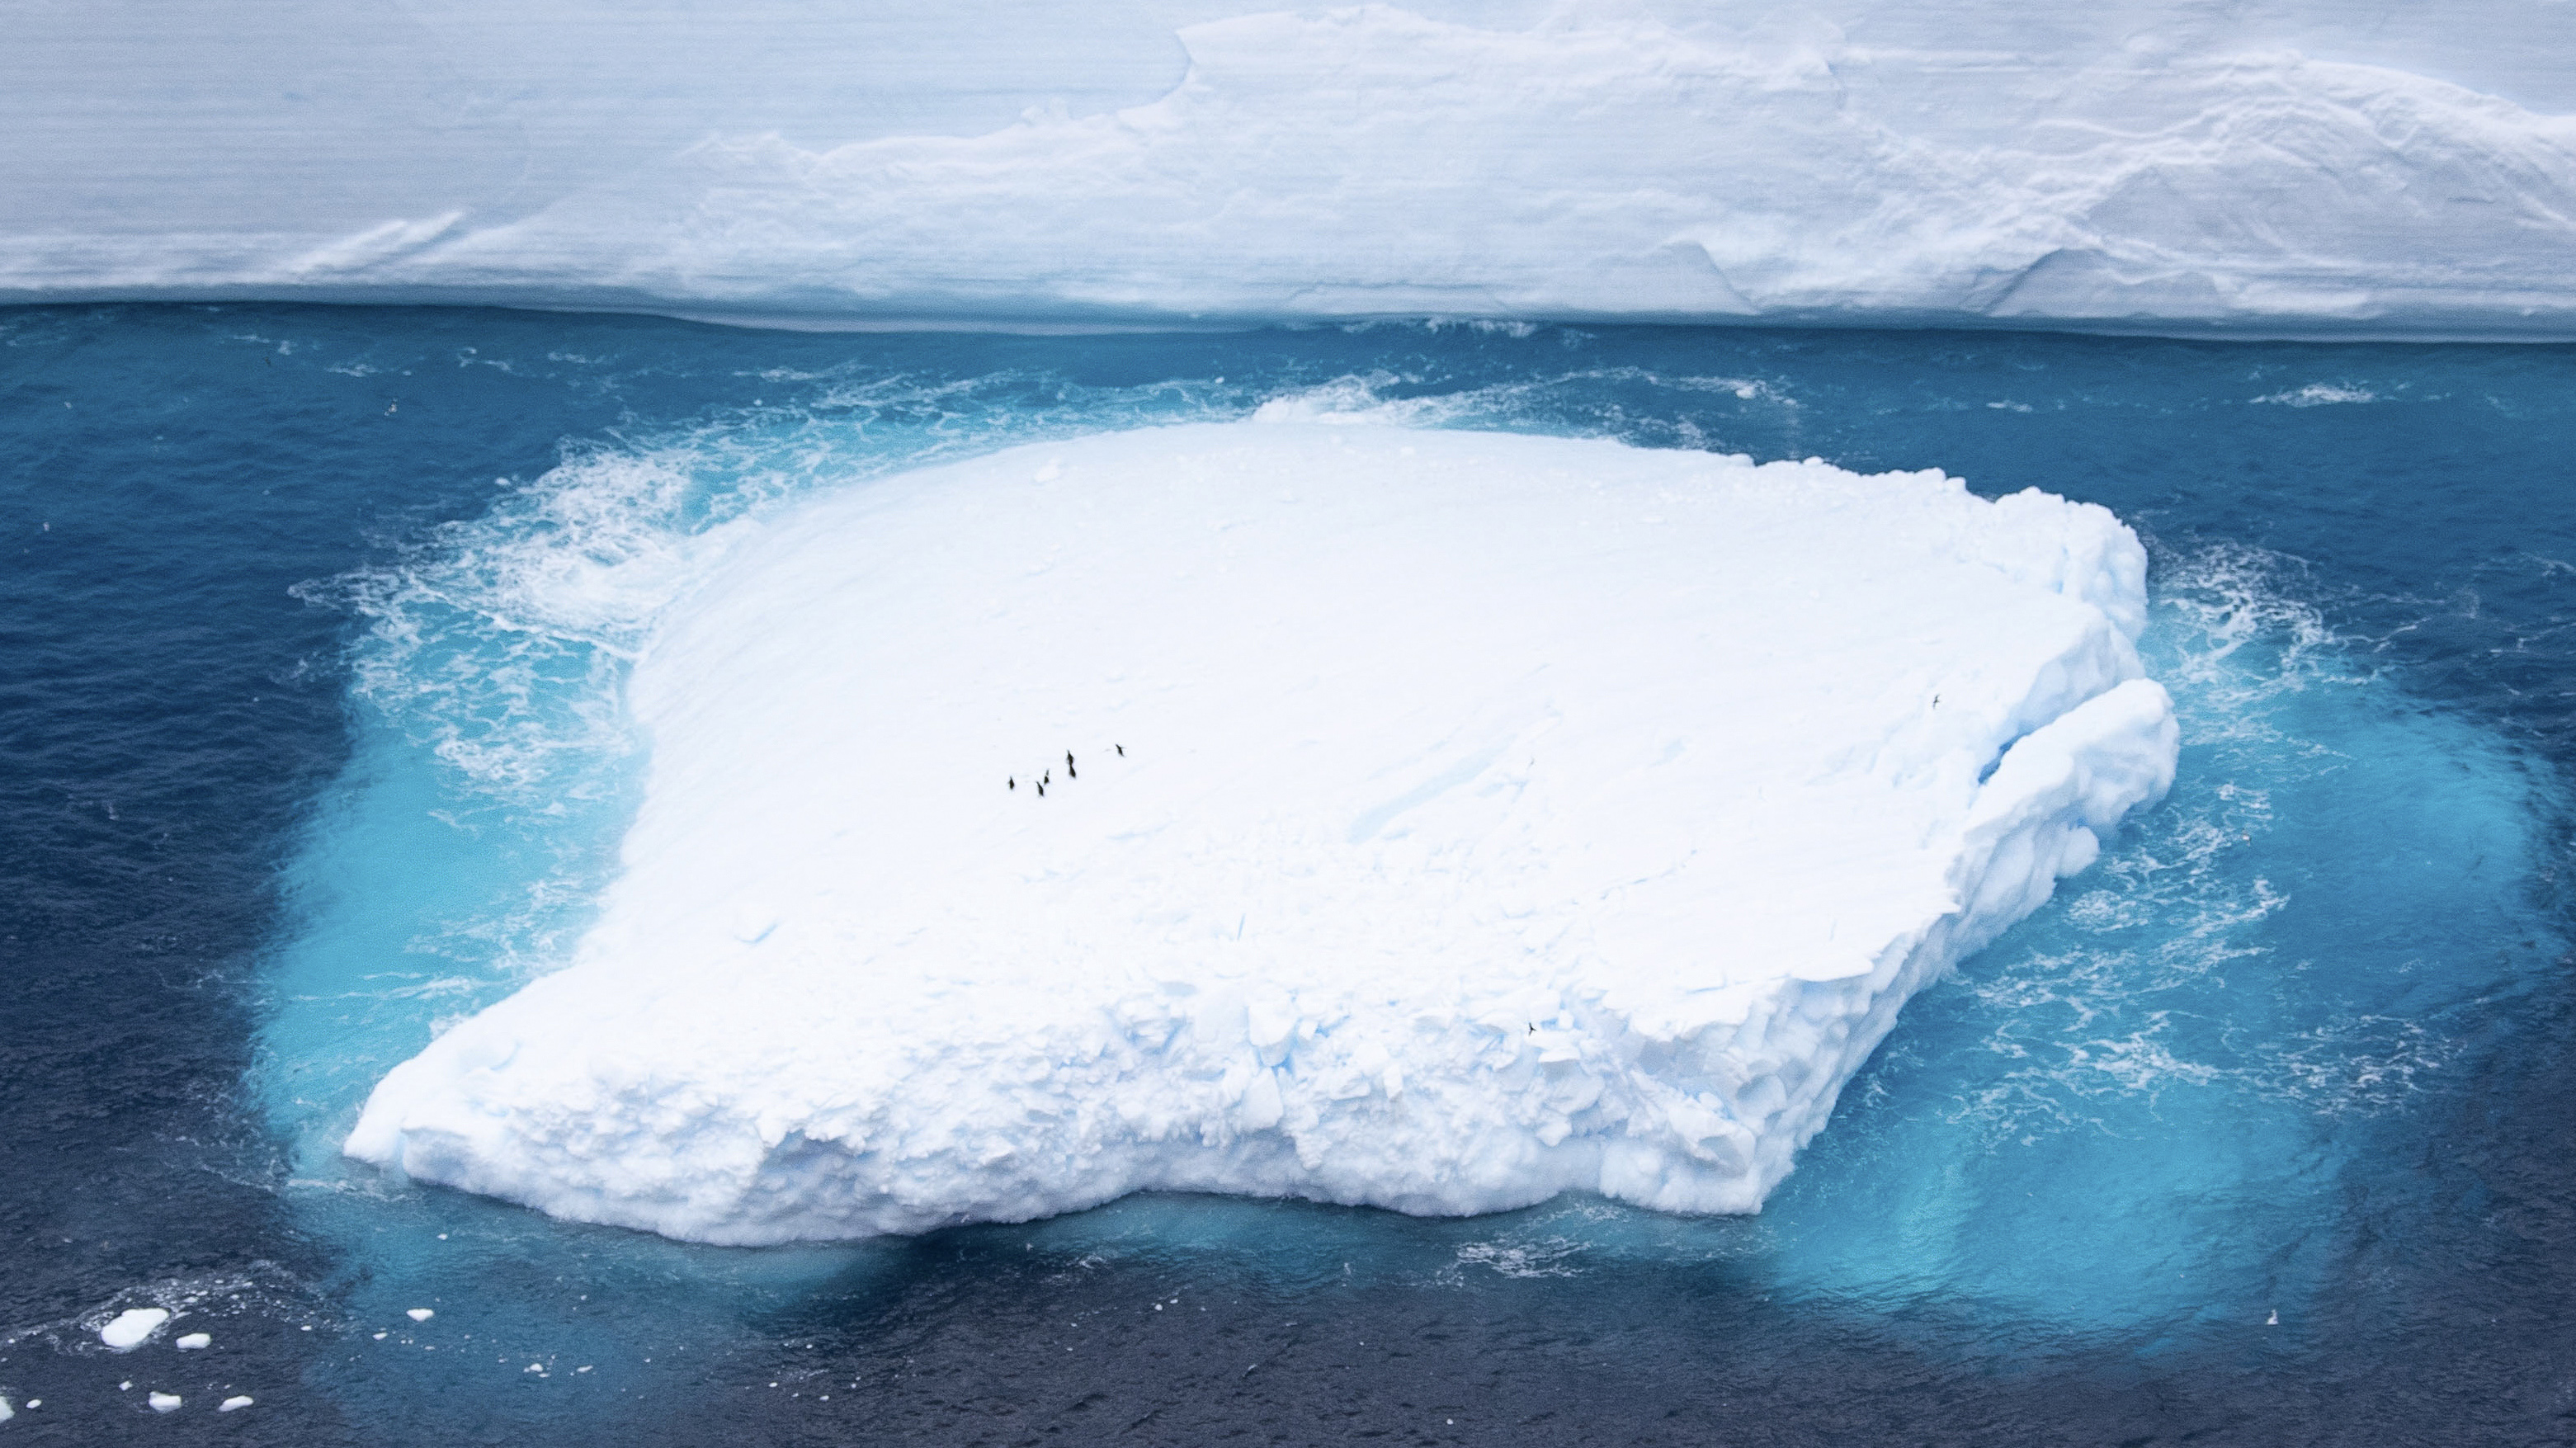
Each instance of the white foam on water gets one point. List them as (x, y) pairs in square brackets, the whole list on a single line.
[(1497, 817), (2137, 1109), (2320, 394)]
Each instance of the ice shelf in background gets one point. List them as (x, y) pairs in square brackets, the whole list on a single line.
[(1452, 820), (2281, 167)]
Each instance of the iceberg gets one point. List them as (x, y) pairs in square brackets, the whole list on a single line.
[(1440, 821), (2270, 169)]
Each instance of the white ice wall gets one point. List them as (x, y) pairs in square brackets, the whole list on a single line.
[(2269, 167)]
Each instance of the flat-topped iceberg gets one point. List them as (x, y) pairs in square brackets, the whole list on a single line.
[(1435, 820)]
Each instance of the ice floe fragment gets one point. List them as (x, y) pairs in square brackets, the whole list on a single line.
[(132, 1327)]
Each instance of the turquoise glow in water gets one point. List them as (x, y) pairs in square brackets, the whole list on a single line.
[(2243, 1120)]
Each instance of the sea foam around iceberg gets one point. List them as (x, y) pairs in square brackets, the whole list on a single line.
[(1440, 821)]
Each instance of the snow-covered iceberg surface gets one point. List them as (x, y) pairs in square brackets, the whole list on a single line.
[(1435, 820), (2275, 167)]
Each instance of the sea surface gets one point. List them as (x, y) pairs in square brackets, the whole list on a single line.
[(312, 624)]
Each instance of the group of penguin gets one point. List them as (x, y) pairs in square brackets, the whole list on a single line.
[(1048, 776)]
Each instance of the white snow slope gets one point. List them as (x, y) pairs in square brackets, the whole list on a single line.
[(1452, 820), (2275, 167)]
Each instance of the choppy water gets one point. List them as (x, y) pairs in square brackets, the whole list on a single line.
[(308, 665)]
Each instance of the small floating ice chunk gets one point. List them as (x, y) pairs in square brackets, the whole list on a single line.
[(132, 1327), (7, 1412), (195, 1340), (421, 1314), (233, 1403), (166, 1402)]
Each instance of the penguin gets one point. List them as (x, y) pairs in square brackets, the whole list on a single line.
[(1068, 766), (1121, 748), (1041, 789), (1012, 783)]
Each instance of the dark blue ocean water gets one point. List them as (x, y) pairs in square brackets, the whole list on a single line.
[(313, 619)]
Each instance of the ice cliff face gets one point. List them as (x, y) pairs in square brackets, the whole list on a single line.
[(1434, 820), (2280, 168)]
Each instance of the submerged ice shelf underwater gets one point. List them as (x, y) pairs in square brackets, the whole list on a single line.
[(1435, 820)]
